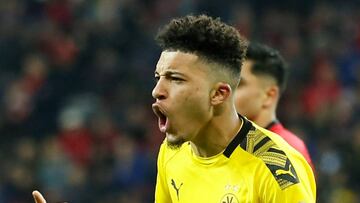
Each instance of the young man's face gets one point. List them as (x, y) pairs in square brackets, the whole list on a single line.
[(182, 94), (251, 92)]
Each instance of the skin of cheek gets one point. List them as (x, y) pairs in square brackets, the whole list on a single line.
[(193, 112), (190, 114)]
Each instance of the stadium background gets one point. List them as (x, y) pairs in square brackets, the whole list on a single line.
[(76, 79)]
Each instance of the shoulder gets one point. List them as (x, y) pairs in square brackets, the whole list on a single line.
[(293, 140), (275, 153)]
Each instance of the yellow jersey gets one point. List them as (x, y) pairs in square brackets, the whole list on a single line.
[(257, 166)]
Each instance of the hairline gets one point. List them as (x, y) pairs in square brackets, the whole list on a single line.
[(211, 65), (262, 74)]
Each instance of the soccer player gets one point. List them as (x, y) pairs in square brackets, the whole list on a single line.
[(263, 79), (211, 153)]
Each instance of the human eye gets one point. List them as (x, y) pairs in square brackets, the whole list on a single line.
[(156, 78), (176, 79)]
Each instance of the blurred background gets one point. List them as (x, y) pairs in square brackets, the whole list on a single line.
[(76, 79)]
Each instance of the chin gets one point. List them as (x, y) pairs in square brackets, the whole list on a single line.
[(174, 142)]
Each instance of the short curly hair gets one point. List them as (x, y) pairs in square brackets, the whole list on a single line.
[(207, 37)]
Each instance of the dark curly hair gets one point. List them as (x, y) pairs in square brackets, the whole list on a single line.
[(268, 61), (207, 37)]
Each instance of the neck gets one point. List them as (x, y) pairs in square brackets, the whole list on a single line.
[(217, 134)]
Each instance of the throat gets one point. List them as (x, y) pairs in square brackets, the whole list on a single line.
[(215, 142)]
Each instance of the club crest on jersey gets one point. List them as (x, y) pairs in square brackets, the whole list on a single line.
[(229, 198)]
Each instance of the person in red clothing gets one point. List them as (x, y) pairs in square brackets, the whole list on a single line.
[(263, 79)]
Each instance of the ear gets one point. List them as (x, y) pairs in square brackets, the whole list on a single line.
[(220, 93), (272, 94)]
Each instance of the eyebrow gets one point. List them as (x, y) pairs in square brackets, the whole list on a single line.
[(170, 72)]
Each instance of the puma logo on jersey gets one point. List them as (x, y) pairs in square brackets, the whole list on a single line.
[(284, 172), (176, 188)]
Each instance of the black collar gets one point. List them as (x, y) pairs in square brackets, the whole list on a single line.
[(239, 137)]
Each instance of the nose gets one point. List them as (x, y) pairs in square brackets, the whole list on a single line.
[(159, 92)]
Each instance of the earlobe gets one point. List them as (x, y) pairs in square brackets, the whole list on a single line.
[(220, 93)]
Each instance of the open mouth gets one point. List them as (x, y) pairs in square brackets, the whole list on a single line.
[(163, 121)]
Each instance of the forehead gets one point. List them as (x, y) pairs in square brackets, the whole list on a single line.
[(176, 60)]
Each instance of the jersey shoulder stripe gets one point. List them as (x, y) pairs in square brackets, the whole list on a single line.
[(259, 144)]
